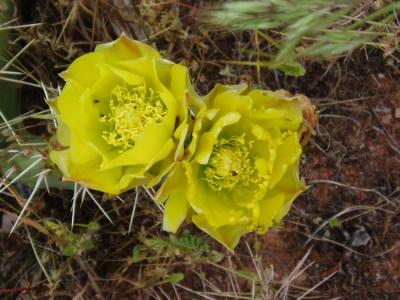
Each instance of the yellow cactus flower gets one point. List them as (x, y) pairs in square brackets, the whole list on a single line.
[(122, 116), (240, 172)]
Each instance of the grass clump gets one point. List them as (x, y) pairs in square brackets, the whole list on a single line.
[(308, 29)]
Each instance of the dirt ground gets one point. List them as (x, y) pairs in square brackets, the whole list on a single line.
[(346, 225)]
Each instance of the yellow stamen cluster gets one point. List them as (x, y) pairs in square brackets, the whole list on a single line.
[(132, 109), (229, 165)]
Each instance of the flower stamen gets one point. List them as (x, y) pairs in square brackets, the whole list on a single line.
[(229, 165), (132, 109)]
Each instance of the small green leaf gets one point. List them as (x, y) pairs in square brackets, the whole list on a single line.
[(87, 244), (93, 226), (202, 276), (334, 223), (176, 277), (138, 253), (216, 256), (317, 220), (73, 238), (157, 245), (70, 250), (292, 69), (246, 274), (192, 242)]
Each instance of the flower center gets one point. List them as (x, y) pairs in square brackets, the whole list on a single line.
[(132, 109), (229, 165)]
